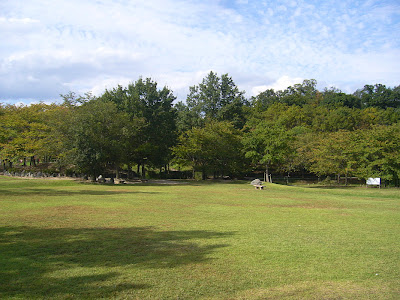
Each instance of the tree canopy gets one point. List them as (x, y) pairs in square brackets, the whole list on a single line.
[(214, 99), (216, 131)]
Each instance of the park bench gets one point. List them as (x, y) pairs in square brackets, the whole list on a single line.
[(259, 186)]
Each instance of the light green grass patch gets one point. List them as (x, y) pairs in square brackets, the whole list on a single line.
[(63, 239)]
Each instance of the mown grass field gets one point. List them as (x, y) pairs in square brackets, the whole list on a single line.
[(62, 239)]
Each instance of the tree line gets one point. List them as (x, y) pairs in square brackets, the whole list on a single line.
[(217, 131)]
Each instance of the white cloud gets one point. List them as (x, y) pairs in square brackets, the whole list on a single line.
[(23, 21), (91, 45), (98, 85), (375, 66), (280, 84)]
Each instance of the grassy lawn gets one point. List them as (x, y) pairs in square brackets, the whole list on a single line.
[(62, 239)]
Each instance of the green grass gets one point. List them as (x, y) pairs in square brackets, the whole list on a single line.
[(62, 239)]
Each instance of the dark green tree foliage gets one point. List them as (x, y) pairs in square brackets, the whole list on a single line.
[(214, 99), (264, 100), (186, 118), (152, 111), (299, 128), (335, 98), (300, 94), (379, 95), (97, 136)]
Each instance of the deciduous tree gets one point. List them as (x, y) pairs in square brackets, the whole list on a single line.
[(214, 148), (98, 136), (152, 112), (267, 145), (214, 99)]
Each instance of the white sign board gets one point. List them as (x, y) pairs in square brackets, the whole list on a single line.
[(373, 181)]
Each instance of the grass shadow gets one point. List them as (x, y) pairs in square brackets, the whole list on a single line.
[(29, 257)]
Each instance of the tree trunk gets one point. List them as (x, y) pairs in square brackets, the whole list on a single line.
[(92, 175), (129, 171), (117, 172), (33, 161), (193, 171), (143, 171), (266, 179), (203, 175)]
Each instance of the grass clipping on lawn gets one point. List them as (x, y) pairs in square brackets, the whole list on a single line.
[(65, 239)]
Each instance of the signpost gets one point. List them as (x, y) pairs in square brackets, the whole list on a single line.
[(374, 181)]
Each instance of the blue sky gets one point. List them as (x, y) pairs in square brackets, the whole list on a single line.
[(51, 47)]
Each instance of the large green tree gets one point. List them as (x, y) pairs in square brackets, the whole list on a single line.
[(377, 153), (212, 149), (331, 153), (214, 99), (151, 110), (98, 136), (267, 146)]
